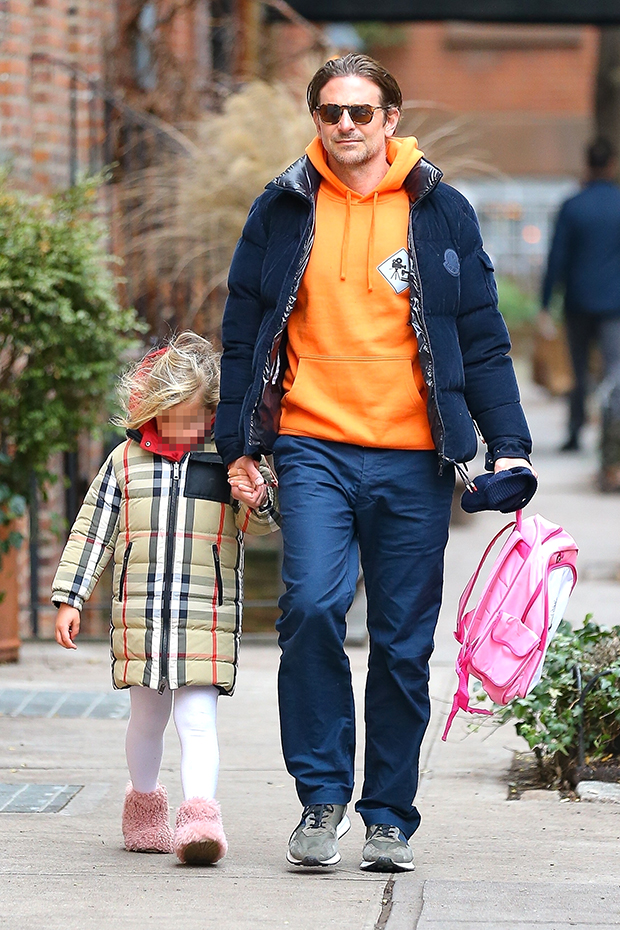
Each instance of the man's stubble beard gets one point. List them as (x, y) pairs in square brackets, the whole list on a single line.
[(353, 158)]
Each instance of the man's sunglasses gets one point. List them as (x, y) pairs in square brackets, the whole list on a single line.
[(361, 113)]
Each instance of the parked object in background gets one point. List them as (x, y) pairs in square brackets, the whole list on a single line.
[(504, 638), (551, 366), (609, 477), (9, 627)]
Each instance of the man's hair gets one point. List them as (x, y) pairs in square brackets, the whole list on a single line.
[(357, 66), (599, 153), (186, 366)]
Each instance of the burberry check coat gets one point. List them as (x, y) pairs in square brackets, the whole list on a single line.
[(177, 544)]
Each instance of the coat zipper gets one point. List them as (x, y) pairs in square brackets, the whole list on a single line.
[(124, 570), (168, 562), (218, 575), (272, 366), (418, 311)]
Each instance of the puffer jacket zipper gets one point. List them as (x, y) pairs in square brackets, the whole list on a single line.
[(271, 369), (419, 323), (121, 583), (168, 566), (218, 574)]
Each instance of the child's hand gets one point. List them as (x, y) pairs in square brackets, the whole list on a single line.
[(67, 626)]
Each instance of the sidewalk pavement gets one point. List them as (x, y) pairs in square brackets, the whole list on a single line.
[(482, 861)]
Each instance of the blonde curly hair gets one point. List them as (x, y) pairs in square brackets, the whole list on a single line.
[(168, 376)]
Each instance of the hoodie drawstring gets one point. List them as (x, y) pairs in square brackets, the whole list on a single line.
[(344, 252), (371, 241)]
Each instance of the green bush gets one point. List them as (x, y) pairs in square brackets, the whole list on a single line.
[(549, 717), (63, 332), (517, 306)]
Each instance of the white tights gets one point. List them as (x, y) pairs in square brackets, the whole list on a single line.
[(195, 716)]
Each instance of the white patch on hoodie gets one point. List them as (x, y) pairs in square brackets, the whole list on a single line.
[(395, 270)]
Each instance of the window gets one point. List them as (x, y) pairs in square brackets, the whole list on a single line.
[(143, 53)]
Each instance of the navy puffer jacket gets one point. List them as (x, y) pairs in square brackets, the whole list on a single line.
[(462, 339)]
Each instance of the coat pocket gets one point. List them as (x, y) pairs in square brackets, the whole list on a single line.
[(121, 581), (218, 575), (207, 479)]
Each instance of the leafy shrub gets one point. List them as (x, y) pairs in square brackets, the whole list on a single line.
[(518, 307), (63, 333), (549, 717)]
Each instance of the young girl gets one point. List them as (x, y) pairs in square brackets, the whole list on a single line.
[(161, 506)]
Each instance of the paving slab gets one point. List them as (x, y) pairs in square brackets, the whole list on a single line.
[(488, 905)]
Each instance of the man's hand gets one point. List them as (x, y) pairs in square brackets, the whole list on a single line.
[(246, 482), (503, 464), (67, 626), (546, 325)]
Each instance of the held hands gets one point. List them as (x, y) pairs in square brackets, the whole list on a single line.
[(67, 626), (246, 482)]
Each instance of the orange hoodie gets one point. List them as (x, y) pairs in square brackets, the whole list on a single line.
[(353, 372)]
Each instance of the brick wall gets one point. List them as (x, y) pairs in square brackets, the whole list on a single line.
[(35, 92), (527, 91)]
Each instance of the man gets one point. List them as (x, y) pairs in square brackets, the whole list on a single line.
[(585, 260), (360, 331)]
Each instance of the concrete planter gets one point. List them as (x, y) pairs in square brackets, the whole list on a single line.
[(9, 612)]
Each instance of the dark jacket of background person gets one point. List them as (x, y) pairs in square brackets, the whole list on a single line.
[(462, 339), (585, 252)]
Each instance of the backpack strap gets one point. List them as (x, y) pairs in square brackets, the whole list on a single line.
[(461, 695), (469, 587)]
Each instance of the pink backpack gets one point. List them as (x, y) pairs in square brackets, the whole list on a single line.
[(504, 638)]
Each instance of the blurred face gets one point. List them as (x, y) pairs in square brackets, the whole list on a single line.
[(352, 144), (186, 423)]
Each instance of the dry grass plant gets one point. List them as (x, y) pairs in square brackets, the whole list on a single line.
[(183, 215), (449, 141)]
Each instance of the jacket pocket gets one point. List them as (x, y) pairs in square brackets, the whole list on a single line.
[(121, 582), (489, 277), (218, 575), (206, 478)]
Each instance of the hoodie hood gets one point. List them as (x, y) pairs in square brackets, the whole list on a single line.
[(402, 155)]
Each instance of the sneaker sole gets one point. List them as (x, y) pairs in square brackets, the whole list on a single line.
[(385, 864), (311, 862)]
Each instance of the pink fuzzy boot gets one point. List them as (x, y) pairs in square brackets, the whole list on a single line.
[(146, 827), (199, 835)]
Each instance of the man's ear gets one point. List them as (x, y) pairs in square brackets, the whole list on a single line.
[(392, 119), (317, 122)]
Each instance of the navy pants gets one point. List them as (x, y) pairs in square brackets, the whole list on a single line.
[(396, 507), (583, 330)]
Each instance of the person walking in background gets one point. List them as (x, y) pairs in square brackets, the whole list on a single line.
[(161, 506), (361, 335), (584, 261)]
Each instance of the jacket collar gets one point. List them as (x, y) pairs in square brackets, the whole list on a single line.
[(303, 179), (148, 439)]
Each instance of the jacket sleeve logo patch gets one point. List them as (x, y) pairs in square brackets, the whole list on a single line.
[(395, 270), (451, 262)]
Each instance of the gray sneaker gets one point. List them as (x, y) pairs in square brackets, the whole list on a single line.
[(386, 850), (314, 841)]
